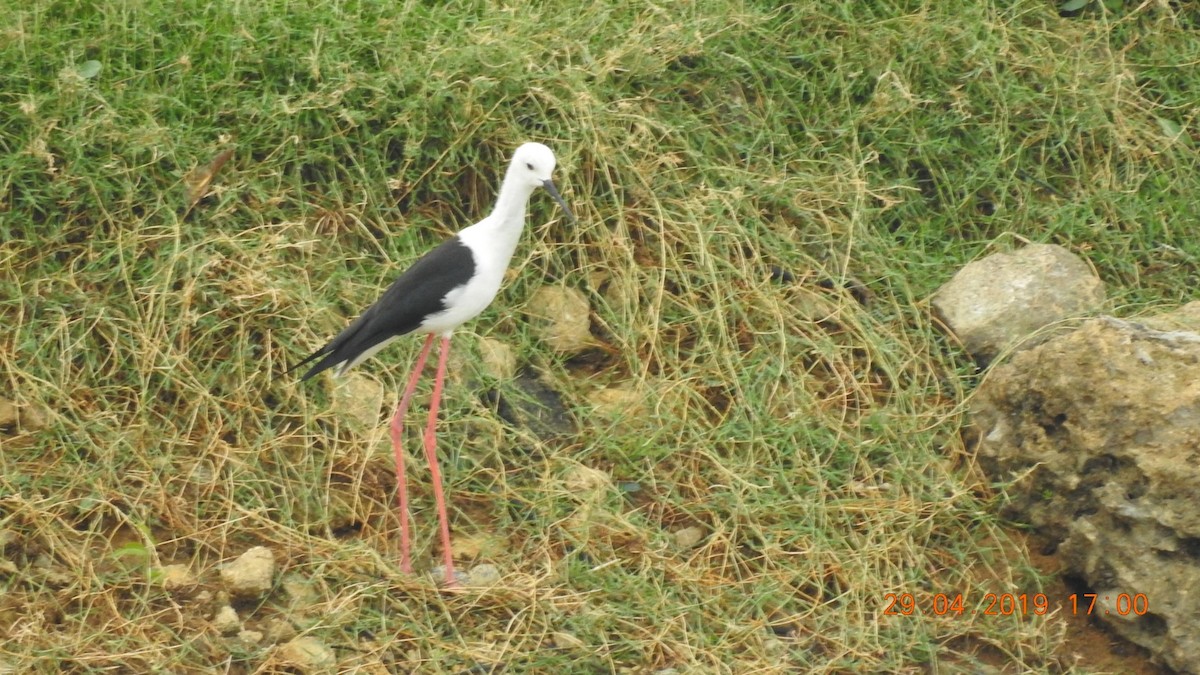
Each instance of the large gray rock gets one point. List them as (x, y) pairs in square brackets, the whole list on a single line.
[(1099, 430), (1002, 300)]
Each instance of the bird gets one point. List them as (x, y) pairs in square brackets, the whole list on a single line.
[(447, 287)]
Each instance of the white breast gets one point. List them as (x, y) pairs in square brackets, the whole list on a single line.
[(492, 249)]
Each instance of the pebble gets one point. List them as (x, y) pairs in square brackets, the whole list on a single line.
[(689, 537), (178, 579), (616, 402), (484, 574), (226, 620), (280, 630), (250, 576), (497, 358), (586, 481), (461, 578), (359, 397), (300, 592), (564, 318), (8, 413), (307, 653)]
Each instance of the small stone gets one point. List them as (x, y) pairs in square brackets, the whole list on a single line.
[(8, 413), (307, 653), (483, 574), (250, 637), (689, 537), (359, 397), (34, 417), (565, 318), (251, 574), (439, 573), (178, 579), (619, 401), (226, 620), (280, 630), (584, 480), (498, 359), (300, 592)]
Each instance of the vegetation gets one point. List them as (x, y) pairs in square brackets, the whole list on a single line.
[(194, 195)]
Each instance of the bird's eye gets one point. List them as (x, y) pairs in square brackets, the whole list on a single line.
[(529, 166)]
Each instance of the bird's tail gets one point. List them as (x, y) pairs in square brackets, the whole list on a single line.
[(308, 359)]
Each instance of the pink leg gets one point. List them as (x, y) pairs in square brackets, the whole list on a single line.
[(435, 474), (398, 451)]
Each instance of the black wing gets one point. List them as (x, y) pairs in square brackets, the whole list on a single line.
[(418, 293)]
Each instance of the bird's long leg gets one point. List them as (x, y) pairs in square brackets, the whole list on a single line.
[(435, 474), (398, 451)]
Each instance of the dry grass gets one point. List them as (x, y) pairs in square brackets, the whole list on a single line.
[(765, 197)]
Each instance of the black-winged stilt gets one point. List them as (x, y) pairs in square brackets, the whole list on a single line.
[(447, 287)]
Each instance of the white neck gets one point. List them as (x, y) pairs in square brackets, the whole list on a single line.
[(508, 216), (512, 200)]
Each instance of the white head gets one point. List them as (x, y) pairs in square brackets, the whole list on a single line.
[(532, 167)]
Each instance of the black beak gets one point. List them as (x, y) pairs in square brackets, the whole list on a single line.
[(549, 185)]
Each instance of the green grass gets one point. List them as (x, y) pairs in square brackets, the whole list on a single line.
[(815, 439)]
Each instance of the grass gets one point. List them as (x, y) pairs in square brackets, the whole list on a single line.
[(766, 197)]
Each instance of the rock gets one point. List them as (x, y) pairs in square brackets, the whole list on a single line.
[(562, 318), (23, 418), (307, 653), (8, 414), (178, 579), (300, 592), (689, 537), (439, 574), (358, 397), (497, 359), (34, 417), (250, 637), (484, 574), (226, 620), (1097, 431), (280, 630), (617, 402), (250, 576), (585, 481), (1186, 317), (1000, 301)]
